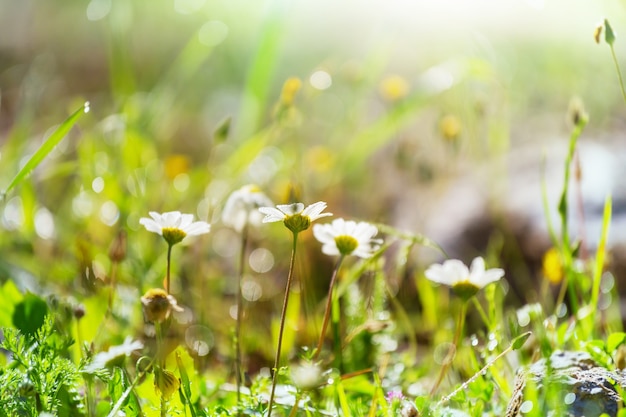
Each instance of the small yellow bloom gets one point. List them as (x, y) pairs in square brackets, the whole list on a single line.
[(176, 165), (552, 266), (450, 127), (290, 89), (394, 88)]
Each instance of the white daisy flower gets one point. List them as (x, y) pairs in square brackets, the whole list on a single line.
[(241, 207), (174, 226), (464, 282), (295, 217), (114, 356), (343, 237)]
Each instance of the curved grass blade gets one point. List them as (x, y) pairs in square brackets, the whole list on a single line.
[(46, 147)]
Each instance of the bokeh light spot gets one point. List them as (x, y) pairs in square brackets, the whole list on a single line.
[(321, 80), (97, 185), (251, 290), (181, 182), (97, 10), (109, 213), (225, 243), (261, 260), (188, 6), (82, 205), (44, 223), (199, 339), (526, 407), (441, 353), (213, 33), (13, 216)]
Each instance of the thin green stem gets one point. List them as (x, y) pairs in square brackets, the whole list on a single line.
[(282, 323), (481, 312), (112, 280), (452, 352), (336, 333), (619, 73), (328, 307), (294, 410), (242, 257), (169, 262), (161, 361)]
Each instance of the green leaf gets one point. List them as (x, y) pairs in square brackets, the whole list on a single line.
[(185, 392), (519, 341), (220, 134), (29, 314), (609, 35), (47, 147), (615, 340), (116, 386), (10, 295)]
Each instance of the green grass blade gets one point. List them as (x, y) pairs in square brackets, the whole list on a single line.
[(46, 147), (546, 206), (600, 256), (262, 68)]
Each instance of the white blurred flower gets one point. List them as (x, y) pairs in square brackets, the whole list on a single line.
[(295, 217), (464, 282), (343, 237), (241, 207), (114, 355), (174, 226), (307, 376)]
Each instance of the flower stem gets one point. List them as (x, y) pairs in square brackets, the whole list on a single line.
[(161, 360), (169, 259), (242, 256), (328, 308), (619, 73), (282, 323), (452, 351)]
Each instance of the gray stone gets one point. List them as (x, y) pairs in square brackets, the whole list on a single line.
[(581, 387)]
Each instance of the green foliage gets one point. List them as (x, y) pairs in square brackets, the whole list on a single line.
[(39, 378)]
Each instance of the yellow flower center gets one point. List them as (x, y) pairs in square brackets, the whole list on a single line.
[(465, 290), (173, 235), (346, 244), (297, 222)]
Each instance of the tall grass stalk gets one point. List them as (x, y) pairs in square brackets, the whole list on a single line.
[(238, 359), (327, 310), (282, 323), (609, 38), (453, 349), (599, 262), (567, 252)]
